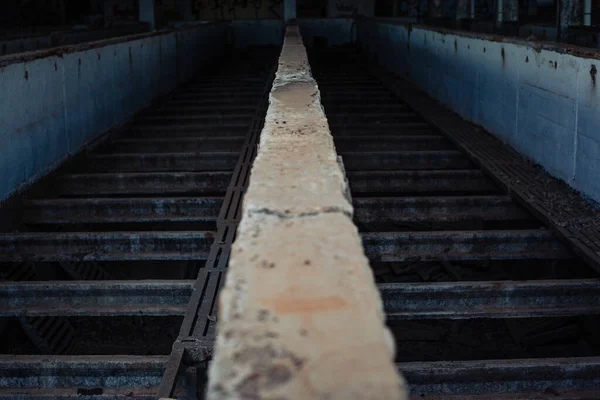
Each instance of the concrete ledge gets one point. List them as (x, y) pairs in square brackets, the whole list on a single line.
[(300, 316)]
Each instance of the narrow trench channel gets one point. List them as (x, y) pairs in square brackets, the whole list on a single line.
[(442, 237), (140, 208)]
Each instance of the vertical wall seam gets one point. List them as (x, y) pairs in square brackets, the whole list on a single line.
[(114, 87), (64, 94), (576, 133), (517, 89)]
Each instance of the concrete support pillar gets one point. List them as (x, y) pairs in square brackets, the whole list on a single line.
[(499, 11), (434, 9), (510, 12), (413, 8), (532, 7), (147, 13), (185, 9), (289, 10), (587, 12), (463, 9), (570, 14), (63, 12)]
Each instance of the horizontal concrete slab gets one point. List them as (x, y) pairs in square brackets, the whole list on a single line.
[(122, 210), (156, 162), (105, 246), (502, 299), (207, 183), (106, 298), (464, 245)]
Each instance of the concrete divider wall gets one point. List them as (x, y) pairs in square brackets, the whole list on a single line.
[(53, 103), (536, 97), (337, 31), (299, 315)]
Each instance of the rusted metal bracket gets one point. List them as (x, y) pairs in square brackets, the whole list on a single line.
[(194, 344)]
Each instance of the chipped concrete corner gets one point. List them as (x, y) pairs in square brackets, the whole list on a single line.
[(300, 316)]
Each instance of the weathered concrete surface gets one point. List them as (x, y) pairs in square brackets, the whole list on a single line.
[(300, 316), (542, 99)]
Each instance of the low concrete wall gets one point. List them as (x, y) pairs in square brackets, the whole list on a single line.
[(257, 32), (300, 316), (55, 102), (41, 42), (337, 31), (538, 98)]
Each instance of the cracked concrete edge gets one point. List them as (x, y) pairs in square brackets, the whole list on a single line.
[(300, 316)]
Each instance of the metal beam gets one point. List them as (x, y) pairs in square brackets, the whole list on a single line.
[(197, 119), (437, 209), (392, 143), (404, 160), (105, 246), (152, 162), (393, 129), (103, 298), (155, 183), (122, 210), (376, 118), (556, 378), (242, 108), (188, 130), (214, 96), (333, 100), (463, 245), (496, 299), (220, 91), (465, 181), (353, 108), (75, 377), (175, 145)]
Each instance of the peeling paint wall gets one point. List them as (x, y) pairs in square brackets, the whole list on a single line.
[(541, 101), (58, 103)]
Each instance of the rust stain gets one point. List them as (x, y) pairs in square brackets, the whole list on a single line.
[(306, 305)]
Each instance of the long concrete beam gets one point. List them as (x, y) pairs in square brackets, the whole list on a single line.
[(300, 316)]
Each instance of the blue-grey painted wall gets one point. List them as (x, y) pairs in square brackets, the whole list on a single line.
[(541, 101), (50, 107), (338, 31)]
